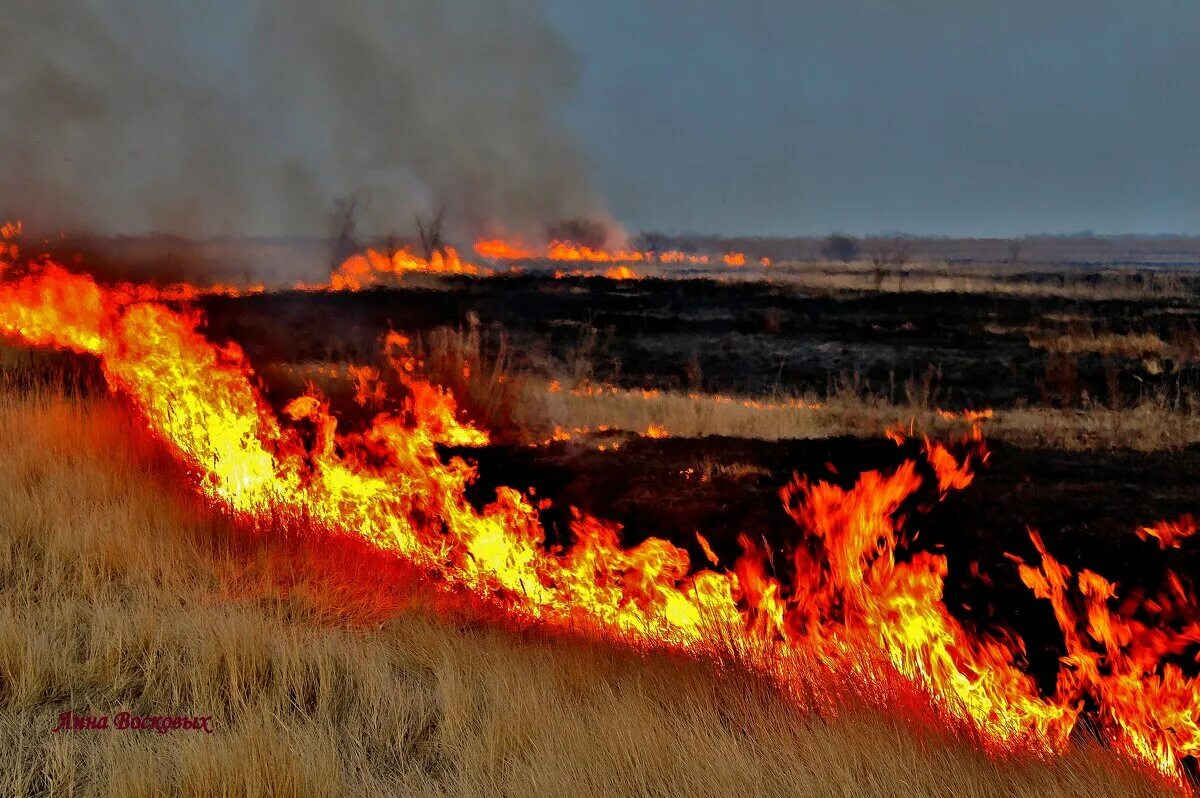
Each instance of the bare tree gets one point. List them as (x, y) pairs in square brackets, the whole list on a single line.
[(890, 253), (344, 228), (429, 231)]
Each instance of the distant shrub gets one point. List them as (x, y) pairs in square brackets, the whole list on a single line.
[(840, 247)]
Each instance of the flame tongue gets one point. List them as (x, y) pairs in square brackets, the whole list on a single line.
[(850, 600)]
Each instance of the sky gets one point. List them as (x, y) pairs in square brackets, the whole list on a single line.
[(963, 117), (737, 117)]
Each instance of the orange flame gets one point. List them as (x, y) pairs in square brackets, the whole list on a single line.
[(620, 273), (1169, 534), (656, 431), (499, 249), (570, 251), (839, 593), (374, 268)]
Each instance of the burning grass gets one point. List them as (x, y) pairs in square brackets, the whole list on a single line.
[(833, 613), (327, 674)]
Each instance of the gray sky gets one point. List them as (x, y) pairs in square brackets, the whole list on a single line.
[(965, 117), (959, 117)]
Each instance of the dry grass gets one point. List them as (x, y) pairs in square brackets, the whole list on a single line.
[(120, 591), (1152, 425), (525, 408), (1111, 344), (925, 276), (997, 279)]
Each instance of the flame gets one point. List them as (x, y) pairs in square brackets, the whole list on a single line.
[(499, 249), (1169, 534), (374, 268), (1148, 708), (9, 233), (568, 251), (620, 273), (844, 592), (676, 256)]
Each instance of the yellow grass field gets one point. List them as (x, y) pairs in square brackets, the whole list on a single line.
[(120, 591)]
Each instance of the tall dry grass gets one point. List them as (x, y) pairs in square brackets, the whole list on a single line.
[(326, 673), (529, 406), (524, 408), (1157, 423)]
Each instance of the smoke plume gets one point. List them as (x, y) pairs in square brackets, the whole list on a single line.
[(239, 117)]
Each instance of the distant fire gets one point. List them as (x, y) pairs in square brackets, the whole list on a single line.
[(499, 249), (621, 272), (845, 592), (568, 251), (372, 268)]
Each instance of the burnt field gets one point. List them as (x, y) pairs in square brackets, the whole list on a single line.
[(769, 340), (755, 338), (753, 463)]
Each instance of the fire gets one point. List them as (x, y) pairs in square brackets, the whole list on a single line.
[(374, 268), (499, 249), (1169, 534), (1148, 708), (568, 251), (620, 273), (656, 431), (676, 256), (845, 592)]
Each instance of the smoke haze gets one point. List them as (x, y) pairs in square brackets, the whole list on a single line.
[(256, 116)]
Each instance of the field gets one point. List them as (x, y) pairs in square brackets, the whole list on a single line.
[(326, 675), (670, 406)]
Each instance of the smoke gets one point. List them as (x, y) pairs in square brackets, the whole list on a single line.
[(258, 116)]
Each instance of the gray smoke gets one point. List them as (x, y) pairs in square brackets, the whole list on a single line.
[(257, 116)]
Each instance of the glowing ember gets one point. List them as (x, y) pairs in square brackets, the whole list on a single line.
[(839, 594)]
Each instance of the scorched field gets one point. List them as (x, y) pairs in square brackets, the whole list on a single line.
[(585, 522)]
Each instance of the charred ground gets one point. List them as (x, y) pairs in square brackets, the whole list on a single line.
[(752, 338)]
